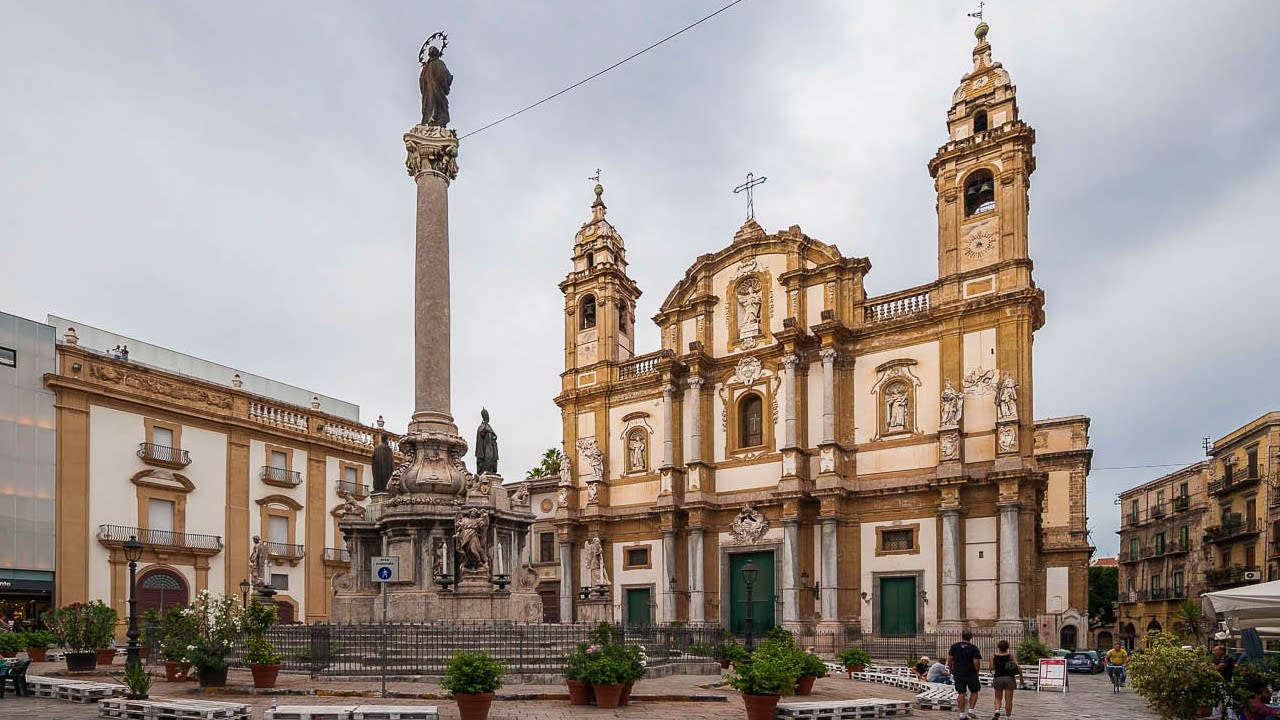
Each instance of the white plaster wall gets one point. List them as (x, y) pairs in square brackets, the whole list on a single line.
[(634, 493), (113, 500), (866, 408), (763, 475), (979, 409), (688, 333), (981, 555), (816, 302), (775, 264), (535, 504), (926, 560), (617, 460), (910, 457), (1057, 500), (652, 575), (1057, 586), (207, 504), (814, 399), (977, 449)]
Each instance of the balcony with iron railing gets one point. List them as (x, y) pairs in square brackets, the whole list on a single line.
[(163, 455), (1237, 575), (1181, 503), (280, 476), (1177, 547), (1158, 510), (1223, 486), (113, 536), (359, 491), (289, 551), (337, 555), (1233, 527)]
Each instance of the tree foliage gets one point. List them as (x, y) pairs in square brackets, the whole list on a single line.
[(549, 464), (1104, 585), (1175, 681)]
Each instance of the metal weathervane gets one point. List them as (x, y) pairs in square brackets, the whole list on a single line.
[(747, 186), (978, 14), (595, 178)]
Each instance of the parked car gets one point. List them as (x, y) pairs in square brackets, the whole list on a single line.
[(1088, 661)]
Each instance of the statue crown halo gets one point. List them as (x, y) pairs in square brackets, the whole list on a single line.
[(444, 43)]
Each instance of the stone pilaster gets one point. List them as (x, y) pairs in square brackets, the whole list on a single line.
[(668, 574), (1010, 560), (790, 559), (830, 574), (696, 577), (951, 620), (567, 590)]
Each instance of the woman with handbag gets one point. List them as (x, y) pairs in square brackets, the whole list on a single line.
[(1004, 670)]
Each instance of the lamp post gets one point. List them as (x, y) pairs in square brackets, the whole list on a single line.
[(245, 586), (749, 572), (132, 553)]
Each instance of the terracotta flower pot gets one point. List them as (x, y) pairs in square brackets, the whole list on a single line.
[(106, 656), (36, 654), (473, 706), (625, 698), (804, 685), (174, 671), (724, 663), (213, 677), (264, 675), (851, 669), (607, 696), (760, 707), (579, 692), (81, 661)]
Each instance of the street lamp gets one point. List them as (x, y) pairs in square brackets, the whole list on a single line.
[(749, 573), (804, 583), (132, 552), (245, 587)]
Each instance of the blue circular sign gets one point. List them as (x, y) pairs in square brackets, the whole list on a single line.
[(384, 573)]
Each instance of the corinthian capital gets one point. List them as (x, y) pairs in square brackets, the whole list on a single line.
[(431, 149)]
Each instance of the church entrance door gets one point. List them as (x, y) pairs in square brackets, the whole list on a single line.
[(639, 603), (762, 592), (898, 606)]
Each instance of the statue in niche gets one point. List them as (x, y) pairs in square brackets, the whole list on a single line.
[(593, 493), (259, 556), (439, 553), (593, 558), (594, 457), (486, 446), (749, 302), (952, 405), (434, 81), (1007, 398), (383, 465), (895, 407), (636, 445), (469, 532), (562, 497)]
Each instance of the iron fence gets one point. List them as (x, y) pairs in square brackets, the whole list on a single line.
[(891, 650)]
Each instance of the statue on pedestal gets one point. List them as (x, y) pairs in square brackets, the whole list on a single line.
[(469, 532), (434, 82), (593, 558), (486, 447), (383, 465), (258, 559)]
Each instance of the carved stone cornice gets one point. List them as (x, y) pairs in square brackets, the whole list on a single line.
[(431, 149)]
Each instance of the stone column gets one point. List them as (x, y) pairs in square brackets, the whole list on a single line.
[(830, 570), (668, 425), (828, 356), (951, 620), (790, 558), (668, 574), (696, 600), (567, 590), (694, 451), (1010, 589), (789, 363)]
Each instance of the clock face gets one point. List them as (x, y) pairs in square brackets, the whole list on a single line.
[(980, 243)]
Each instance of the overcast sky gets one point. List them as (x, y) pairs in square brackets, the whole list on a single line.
[(227, 180)]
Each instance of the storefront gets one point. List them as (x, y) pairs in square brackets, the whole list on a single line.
[(24, 595)]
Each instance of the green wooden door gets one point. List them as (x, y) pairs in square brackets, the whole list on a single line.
[(639, 602), (898, 606), (762, 605)]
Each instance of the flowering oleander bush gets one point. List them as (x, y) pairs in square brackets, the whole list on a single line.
[(177, 630), (82, 627), (215, 625)]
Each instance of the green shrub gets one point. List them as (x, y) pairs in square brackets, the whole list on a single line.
[(575, 663), (472, 673), (771, 670), (81, 627), (1175, 681), (40, 639), (259, 651), (855, 657), (1030, 651), (812, 665), (605, 665), (12, 642), (137, 680)]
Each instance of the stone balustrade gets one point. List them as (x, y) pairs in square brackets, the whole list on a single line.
[(898, 306), (640, 366)]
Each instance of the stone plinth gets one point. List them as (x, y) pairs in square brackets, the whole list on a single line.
[(595, 610)]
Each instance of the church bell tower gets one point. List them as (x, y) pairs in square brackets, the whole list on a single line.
[(982, 176)]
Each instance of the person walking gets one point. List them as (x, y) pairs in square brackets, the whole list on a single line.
[(1004, 668), (964, 659), (1225, 663)]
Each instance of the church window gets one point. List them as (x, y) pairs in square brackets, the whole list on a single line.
[(622, 318), (979, 121), (588, 308), (636, 558), (591, 260), (750, 421), (979, 193)]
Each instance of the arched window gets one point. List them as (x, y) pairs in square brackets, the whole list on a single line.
[(588, 313), (750, 421), (1105, 641), (622, 318), (160, 589), (1068, 637), (979, 193), (591, 260), (979, 121)]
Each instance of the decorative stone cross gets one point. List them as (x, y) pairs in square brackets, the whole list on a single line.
[(751, 182)]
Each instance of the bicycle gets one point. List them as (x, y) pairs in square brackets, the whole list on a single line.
[(1116, 673)]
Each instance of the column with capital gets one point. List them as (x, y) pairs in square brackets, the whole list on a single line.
[(829, 454), (951, 620), (567, 590), (667, 471), (790, 561), (789, 363), (696, 469), (696, 614), (1010, 589), (669, 575)]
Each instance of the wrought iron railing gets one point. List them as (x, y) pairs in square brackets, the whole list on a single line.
[(1232, 575), (286, 550), (354, 489), (159, 538), (280, 476), (150, 452), (337, 555)]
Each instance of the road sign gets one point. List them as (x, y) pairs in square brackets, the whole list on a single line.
[(386, 569), (1052, 675)]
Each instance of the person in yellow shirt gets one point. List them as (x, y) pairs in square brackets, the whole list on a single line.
[(1118, 658)]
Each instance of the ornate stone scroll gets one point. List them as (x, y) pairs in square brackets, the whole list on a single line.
[(749, 527)]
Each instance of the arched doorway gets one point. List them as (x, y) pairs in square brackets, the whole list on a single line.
[(1068, 637), (1130, 636), (160, 589), (1154, 626), (285, 612), (1105, 640)]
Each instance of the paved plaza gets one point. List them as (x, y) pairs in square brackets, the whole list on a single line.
[(1090, 697)]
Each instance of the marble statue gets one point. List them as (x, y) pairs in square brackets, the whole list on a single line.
[(1007, 398), (593, 558), (486, 446), (952, 405), (636, 445), (594, 458), (749, 301), (562, 497), (520, 496), (259, 556), (895, 408), (434, 81), (469, 532), (593, 493), (351, 508), (383, 465)]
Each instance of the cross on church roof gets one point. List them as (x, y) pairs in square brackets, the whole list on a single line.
[(596, 177), (978, 14), (751, 182)]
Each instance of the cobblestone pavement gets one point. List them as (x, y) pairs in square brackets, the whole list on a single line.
[(1090, 697)]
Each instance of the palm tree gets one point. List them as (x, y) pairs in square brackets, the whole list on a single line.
[(1191, 617), (549, 464)]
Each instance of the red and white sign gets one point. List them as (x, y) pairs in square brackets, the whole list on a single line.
[(1053, 674)]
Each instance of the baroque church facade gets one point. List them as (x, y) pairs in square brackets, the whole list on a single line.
[(875, 460)]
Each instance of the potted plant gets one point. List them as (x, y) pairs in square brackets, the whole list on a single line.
[(103, 620), (575, 666), (769, 673), (38, 641), (472, 677), (176, 632), (854, 660), (1030, 651), (259, 653), (79, 633), (1176, 681), (138, 681), (636, 667), (11, 643), (216, 626), (607, 671), (811, 668)]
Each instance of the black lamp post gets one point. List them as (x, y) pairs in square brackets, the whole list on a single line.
[(749, 572), (132, 553), (245, 587)]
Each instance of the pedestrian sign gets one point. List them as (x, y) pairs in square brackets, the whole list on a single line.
[(386, 569)]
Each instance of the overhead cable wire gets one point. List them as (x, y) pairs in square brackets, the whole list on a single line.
[(588, 79)]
